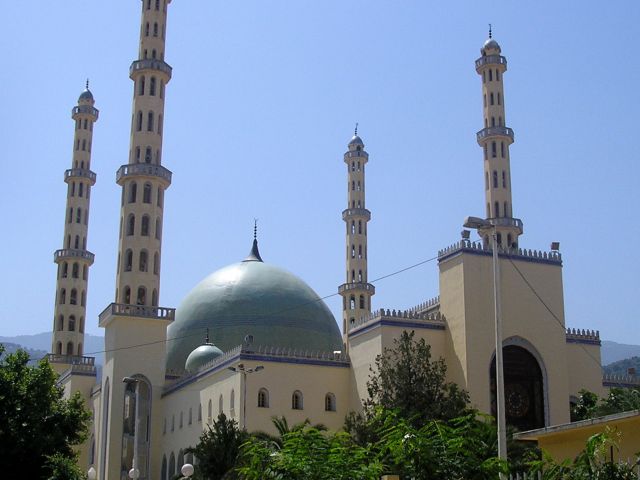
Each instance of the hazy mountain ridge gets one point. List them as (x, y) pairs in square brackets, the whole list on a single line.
[(621, 367)]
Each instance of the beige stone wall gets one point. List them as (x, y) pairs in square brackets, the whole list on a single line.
[(583, 362)]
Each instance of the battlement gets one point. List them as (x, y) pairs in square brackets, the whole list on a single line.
[(478, 248), (260, 353), (590, 337), (403, 318), (428, 306), (621, 381)]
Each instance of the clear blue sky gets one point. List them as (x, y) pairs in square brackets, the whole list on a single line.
[(263, 101)]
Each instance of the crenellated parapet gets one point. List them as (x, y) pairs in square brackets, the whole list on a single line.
[(576, 335), (262, 353), (479, 248), (428, 306), (621, 381), (399, 318)]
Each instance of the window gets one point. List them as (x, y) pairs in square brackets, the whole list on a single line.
[(497, 75), (504, 179), (143, 260), (142, 296), (79, 349), (490, 75), (131, 224), (156, 263), (154, 298), (493, 150), (60, 325), (359, 251), (75, 270), (362, 301), (62, 297), (296, 400), (70, 348), (152, 85), (181, 419), (76, 242), (128, 260), (496, 209), (263, 398), (232, 402), (160, 197), (159, 126), (210, 412), (139, 122), (73, 297), (220, 404), (72, 323), (486, 180), (59, 348), (499, 99), (133, 192), (79, 216), (491, 102), (147, 155), (502, 149), (330, 402), (158, 228), (146, 29), (146, 193), (83, 298), (495, 179), (505, 212), (127, 295), (352, 302), (84, 272), (493, 121), (150, 122), (144, 228), (81, 326), (199, 412), (141, 86), (359, 226), (155, 29), (80, 189)]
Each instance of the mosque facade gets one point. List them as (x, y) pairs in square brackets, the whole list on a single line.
[(254, 341)]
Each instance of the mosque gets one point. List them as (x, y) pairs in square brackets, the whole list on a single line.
[(255, 341)]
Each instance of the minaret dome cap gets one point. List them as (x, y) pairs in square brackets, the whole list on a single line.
[(490, 44), (356, 140), (86, 95)]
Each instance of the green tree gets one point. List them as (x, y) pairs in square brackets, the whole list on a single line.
[(218, 449), (618, 400), (38, 427), (311, 454)]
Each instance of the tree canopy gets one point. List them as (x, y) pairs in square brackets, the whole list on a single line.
[(618, 400), (38, 427)]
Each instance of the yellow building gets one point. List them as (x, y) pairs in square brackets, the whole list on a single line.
[(565, 442), (254, 341)]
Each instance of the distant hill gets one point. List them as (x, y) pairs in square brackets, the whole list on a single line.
[(613, 352), (41, 343), (34, 355), (621, 367)]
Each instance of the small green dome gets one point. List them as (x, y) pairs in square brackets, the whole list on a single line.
[(252, 298), (200, 356)]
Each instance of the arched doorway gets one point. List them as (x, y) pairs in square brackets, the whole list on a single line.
[(523, 389)]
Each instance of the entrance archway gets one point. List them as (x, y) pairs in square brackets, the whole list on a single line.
[(523, 388)]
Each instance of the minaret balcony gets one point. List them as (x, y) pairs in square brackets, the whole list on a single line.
[(141, 311), (356, 212), (144, 170), (507, 222), (150, 64), (84, 110), (73, 254), (499, 131), (491, 60), (357, 286), (71, 359), (80, 173)]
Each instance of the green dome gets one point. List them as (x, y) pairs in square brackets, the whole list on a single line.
[(201, 355), (252, 298)]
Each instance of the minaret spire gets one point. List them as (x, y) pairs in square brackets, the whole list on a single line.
[(356, 292), (495, 139), (144, 179), (74, 259)]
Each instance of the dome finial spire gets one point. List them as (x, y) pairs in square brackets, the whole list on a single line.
[(255, 229), (254, 254), (206, 339), (86, 85), (355, 132), (490, 33)]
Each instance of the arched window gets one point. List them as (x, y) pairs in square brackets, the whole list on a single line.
[(60, 325), (150, 122), (69, 348), (156, 263), (296, 400), (147, 155), (502, 149), (499, 99), (493, 149), (359, 275), (144, 227), (491, 98), (161, 89), (199, 412), (59, 348), (84, 145), (75, 270), (159, 124), (163, 469), (80, 349), (76, 242), (84, 272), (490, 75), (505, 212), (493, 121), (141, 86), (190, 415), (79, 215), (81, 327), (359, 226), (497, 74), (72, 323), (146, 29), (263, 398), (152, 85), (139, 122), (131, 224), (83, 298), (180, 425), (72, 189), (210, 412), (220, 404), (509, 240), (133, 192), (127, 295), (352, 302), (488, 211), (128, 260), (143, 260), (362, 301), (504, 179), (353, 227), (73, 297), (80, 189), (154, 298), (155, 29), (353, 276), (158, 228), (142, 296), (486, 180), (329, 402), (157, 4), (63, 296), (64, 270), (495, 179), (70, 216), (172, 465), (496, 209), (159, 197)]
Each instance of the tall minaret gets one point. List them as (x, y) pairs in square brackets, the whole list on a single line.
[(495, 139), (356, 292), (144, 179), (74, 259)]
